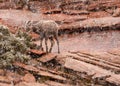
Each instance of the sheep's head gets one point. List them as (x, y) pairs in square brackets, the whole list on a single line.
[(28, 25), (31, 26)]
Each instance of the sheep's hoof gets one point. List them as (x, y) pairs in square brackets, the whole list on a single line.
[(38, 47), (47, 52), (42, 49)]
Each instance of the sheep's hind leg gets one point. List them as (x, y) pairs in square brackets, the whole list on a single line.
[(52, 43), (56, 38), (41, 40)]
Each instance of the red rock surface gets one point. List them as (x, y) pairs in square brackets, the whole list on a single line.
[(89, 44)]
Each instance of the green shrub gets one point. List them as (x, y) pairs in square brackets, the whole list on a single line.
[(13, 47)]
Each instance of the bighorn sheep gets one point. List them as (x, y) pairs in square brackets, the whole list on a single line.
[(23, 4), (47, 29), (20, 2)]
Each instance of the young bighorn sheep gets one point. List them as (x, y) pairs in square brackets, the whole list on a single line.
[(47, 29), (23, 4), (20, 2)]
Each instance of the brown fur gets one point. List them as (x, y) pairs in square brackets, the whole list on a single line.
[(48, 29)]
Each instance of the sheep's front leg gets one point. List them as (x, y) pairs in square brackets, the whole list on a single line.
[(40, 43), (41, 40), (46, 39), (52, 43)]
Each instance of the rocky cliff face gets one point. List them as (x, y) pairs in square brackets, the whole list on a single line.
[(89, 42)]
